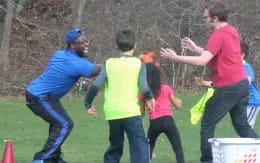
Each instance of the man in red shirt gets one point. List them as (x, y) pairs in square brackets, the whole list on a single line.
[(222, 54)]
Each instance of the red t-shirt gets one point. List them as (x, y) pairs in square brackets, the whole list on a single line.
[(226, 66)]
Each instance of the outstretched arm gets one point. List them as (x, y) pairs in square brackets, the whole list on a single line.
[(145, 90), (95, 71), (93, 89), (189, 44), (201, 60)]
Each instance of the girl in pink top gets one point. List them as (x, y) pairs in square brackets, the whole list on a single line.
[(161, 119)]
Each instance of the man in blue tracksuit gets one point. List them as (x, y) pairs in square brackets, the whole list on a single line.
[(43, 94), (253, 106)]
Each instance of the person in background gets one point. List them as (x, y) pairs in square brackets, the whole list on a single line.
[(161, 119), (43, 94), (124, 76), (253, 105), (229, 79)]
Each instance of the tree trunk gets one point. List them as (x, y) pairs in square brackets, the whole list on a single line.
[(80, 11), (4, 59)]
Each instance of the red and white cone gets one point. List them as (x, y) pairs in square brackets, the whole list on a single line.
[(8, 156)]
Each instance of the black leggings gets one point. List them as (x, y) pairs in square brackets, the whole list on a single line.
[(52, 112), (166, 125)]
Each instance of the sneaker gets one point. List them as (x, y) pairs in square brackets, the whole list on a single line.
[(62, 161), (154, 155), (43, 161), (37, 161), (59, 160)]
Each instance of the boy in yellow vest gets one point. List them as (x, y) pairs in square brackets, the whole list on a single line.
[(124, 77)]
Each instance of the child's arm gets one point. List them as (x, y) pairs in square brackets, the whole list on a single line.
[(145, 90), (93, 90), (250, 72), (177, 103)]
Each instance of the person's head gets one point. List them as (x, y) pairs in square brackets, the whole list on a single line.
[(215, 14), (244, 49), (126, 40), (77, 41), (153, 78)]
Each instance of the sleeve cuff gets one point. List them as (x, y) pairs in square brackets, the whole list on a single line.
[(88, 106), (148, 95)]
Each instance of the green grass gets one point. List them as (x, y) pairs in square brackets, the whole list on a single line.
[(89, 138)]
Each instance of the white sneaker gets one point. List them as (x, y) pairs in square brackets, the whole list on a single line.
[(37, 161)]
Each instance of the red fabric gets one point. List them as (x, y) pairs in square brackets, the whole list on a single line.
[(148, 57), (226, 66)]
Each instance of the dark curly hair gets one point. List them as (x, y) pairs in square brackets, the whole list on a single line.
[(244, 48), (153, 78)]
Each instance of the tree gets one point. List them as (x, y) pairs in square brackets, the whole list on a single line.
[(4, 59)]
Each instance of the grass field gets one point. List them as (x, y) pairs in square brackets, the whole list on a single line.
[(89, 138)]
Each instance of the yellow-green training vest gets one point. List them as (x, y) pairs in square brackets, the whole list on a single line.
[(121, 88)]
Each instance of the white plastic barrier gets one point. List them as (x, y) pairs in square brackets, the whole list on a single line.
[(235, 150)]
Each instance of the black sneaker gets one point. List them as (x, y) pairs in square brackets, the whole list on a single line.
[(58, 160)]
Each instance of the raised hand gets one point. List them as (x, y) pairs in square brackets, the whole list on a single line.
[(168, 53), (187, 43)]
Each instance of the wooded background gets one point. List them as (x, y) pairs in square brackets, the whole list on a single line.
[(31, 30)]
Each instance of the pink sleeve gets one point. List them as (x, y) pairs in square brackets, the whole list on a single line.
[(214, 43), (170, 90)]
